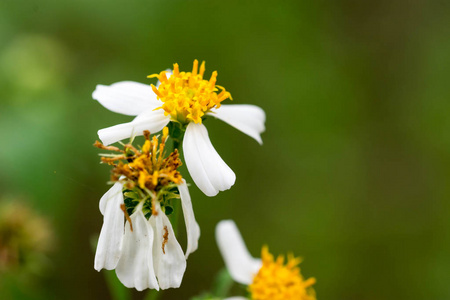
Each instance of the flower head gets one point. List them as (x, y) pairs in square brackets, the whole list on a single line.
[(147, 168), (144, 251), (278, 281), (186, 95), (266, 278)]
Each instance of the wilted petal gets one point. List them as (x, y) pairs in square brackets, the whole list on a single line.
[(168, 256), (192, 228), (114, 191), (110, 240), (150, 120), (209, 172), (241, 265), (135, 267), (126, 97), (247, 118)]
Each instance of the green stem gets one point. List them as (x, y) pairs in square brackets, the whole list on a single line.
[(175, 216), (117, 290), (152, 295), (222, 284)]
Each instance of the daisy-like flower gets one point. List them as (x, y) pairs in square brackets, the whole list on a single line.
[(266, 278), (183, 99), (143, 249)]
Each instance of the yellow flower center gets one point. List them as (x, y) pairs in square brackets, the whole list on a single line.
[(147, 168), (186, 96), (276, 281)]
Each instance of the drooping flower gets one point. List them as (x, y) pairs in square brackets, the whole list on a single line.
[(266, 278), (144, 251), (183, 99)]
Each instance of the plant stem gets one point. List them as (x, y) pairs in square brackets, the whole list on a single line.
[(152, 295), (116, 288), (175, 216)]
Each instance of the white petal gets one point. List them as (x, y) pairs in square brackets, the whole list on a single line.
[(110, 240), (241, 265), (247, 118), (170, 263), (151, 120), (192, 228), (126, 97), (135, 268), (114, 191), (209, 172)]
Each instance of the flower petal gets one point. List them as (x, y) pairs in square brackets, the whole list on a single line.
[(126, 97), (110, 240), (114, 191), (151, 120), (247, 118), (168, 256), (209, 172), (236, 298), (241, 265), (135, 267), (192, 228)]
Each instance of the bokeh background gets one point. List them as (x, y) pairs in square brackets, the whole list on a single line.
[(354, 171)]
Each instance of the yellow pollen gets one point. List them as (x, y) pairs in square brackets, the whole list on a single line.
[(186, 96), (276, 281), (148, 168)]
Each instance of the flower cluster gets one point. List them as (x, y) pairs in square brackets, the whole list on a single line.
[(137, 238), (183, 97)]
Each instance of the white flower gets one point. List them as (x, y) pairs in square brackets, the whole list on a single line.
[(145, 253), (183, 98), (266, 278)]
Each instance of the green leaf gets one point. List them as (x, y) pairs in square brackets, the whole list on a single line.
[(168, 210)]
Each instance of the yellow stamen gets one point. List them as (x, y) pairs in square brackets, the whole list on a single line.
[(155, 178), (146, 147), (165, 132), (202, 69), (186, 96), (176, 70), (195, 68), (276, 281)]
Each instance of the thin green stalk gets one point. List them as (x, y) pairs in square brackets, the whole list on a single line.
[(117, 290), (153, 295), (175, 216)]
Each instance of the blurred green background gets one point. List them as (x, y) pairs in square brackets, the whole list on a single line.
[(353, 174)]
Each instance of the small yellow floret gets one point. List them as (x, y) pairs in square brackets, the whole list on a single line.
[(276, 281), (186, 96)]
